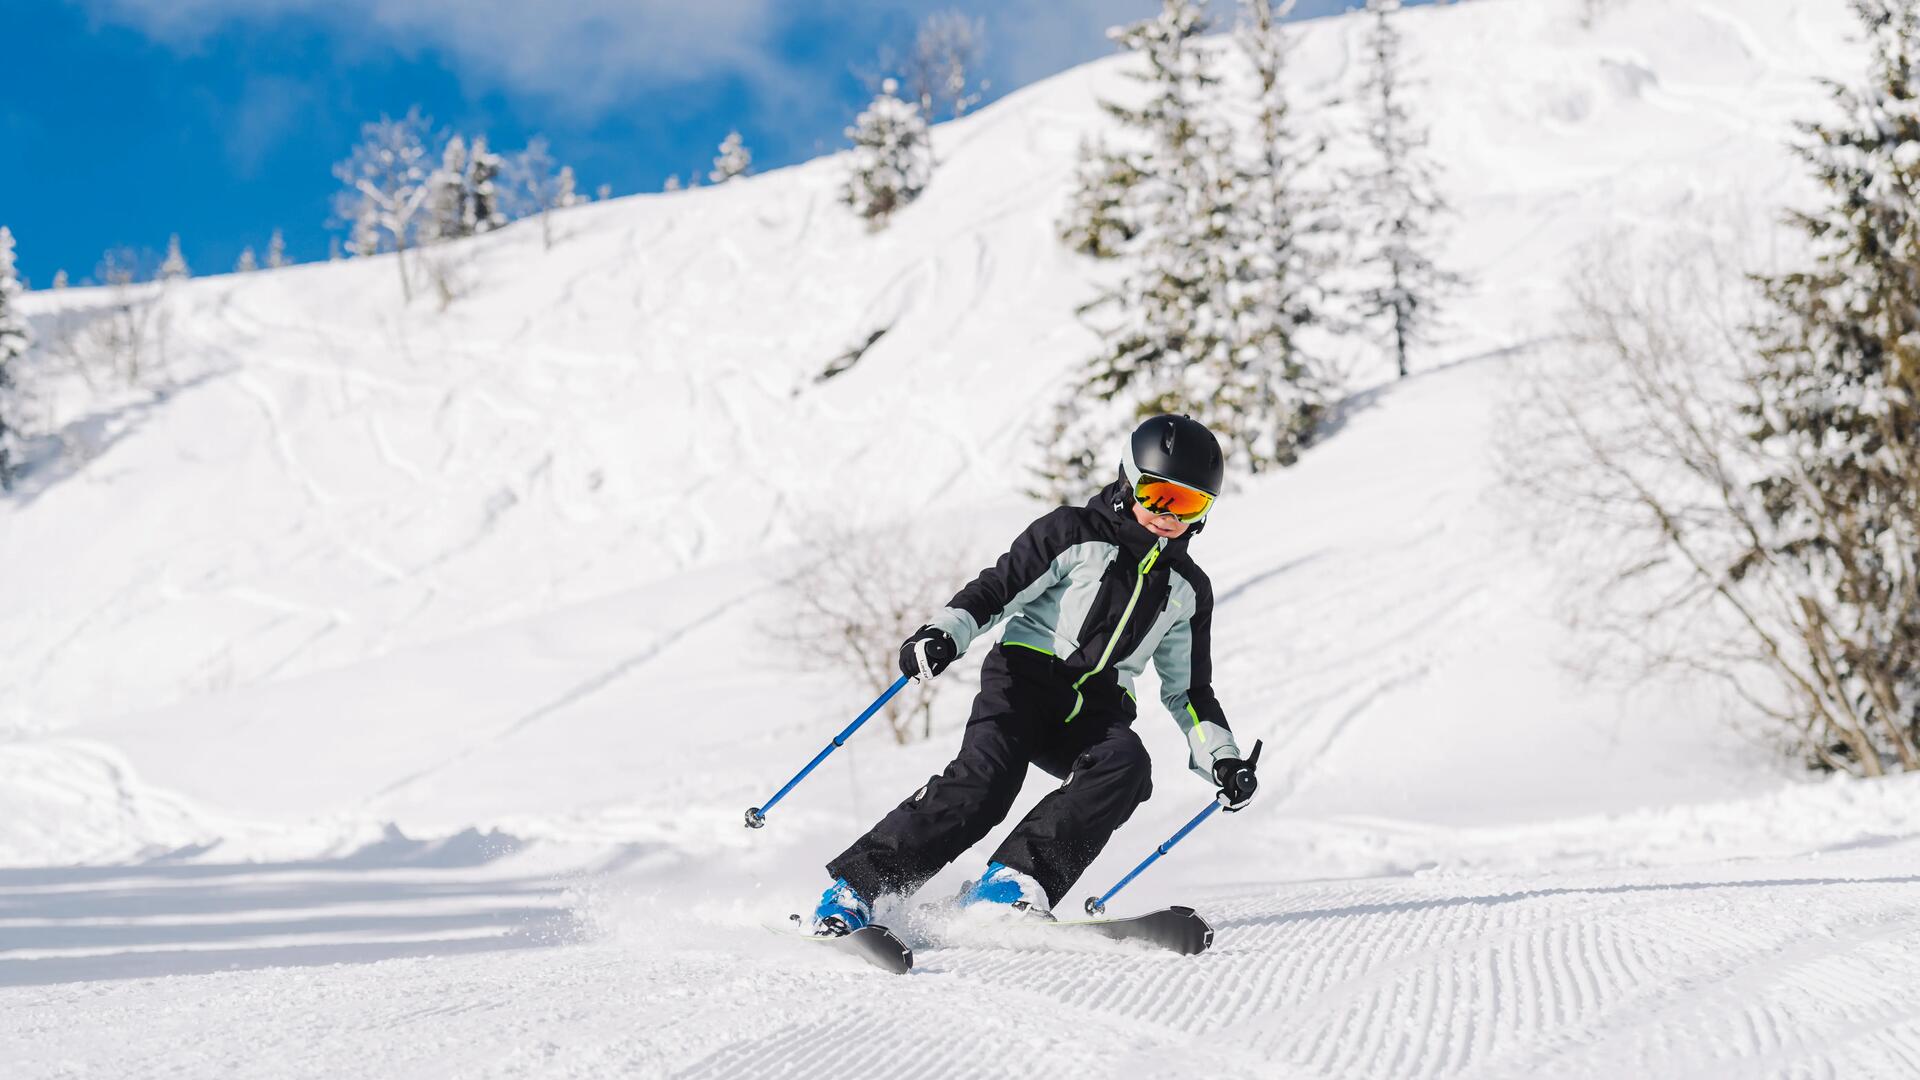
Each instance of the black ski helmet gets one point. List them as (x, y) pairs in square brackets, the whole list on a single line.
[(1176, 448)]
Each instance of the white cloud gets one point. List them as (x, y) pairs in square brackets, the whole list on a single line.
[(269, 110), (585, 56), (580, 54)]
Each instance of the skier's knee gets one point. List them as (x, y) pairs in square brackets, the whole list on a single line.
[(1132, 751), (1123, 763)]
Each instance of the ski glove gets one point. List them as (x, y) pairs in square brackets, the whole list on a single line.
[(927, 653), (1236, 779)]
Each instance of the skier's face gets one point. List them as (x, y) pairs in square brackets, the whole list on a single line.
[(1159, 524)]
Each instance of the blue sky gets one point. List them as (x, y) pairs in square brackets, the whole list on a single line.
[(122, 121)]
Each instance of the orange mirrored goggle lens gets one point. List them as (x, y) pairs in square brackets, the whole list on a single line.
[(1166, 497)]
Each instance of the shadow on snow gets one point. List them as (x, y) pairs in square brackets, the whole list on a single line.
[(392, 899)]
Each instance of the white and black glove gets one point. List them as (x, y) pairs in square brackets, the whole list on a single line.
[(1236, 779), (927, 653)]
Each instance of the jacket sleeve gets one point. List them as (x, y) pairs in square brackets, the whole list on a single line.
[(1028, 568), (1184, 659)]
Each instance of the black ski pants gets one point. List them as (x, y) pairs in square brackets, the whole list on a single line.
[(1018, 719)]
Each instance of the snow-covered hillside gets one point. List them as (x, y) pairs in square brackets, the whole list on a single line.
[(390, 692)]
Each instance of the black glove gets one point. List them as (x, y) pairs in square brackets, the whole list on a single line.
[(1236, 779), (926, 654)]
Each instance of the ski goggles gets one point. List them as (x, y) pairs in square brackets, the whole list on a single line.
[(1162, 496)]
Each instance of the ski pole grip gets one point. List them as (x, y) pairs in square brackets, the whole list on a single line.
[(1243, 776)]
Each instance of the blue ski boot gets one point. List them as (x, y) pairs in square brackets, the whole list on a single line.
[(1006, 886), (841, 911)]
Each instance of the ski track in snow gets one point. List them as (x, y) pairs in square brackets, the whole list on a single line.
[(1730, 969)]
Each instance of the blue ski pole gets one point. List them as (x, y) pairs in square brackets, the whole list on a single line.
[(757, 815), (1099, 906)]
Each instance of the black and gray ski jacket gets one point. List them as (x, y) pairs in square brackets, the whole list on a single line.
[(1089, 586)]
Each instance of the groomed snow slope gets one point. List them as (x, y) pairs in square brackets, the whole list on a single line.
[(385, 699)]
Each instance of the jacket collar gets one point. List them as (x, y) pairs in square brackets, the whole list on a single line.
[(1114, 505)]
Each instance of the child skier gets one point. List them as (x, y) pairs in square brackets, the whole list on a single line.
[(1088, 594)]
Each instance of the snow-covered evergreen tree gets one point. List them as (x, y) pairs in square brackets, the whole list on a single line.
[(174, 267), (891, 163), (276, 251), (1215, 286), (1270, 395), (13, 346), (59, 279), (734, 159), (483, 210), (1398, 201), (445, 214), (463, 196), (386, 187), (1160, 322), (1838, 398), (1098, 220), (246, 263)]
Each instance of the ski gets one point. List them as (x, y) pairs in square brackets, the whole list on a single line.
[(1180, 929), (877, 945)]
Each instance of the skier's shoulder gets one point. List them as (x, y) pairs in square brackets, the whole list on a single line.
[(1064, 526), (1184, 565)]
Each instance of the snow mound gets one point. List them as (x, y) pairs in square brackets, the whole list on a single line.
[(76, 801)]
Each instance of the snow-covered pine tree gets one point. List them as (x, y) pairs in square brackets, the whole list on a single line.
[(13, 346), (1098, 221), (59, 279), (1398, 202), (482, 212), (1838, 404), (891, 163), (445, 214), (174, 267), (386, 186), (276, 251), (246, 263), (1269, 395), (734, 159), (673, 184), (1165, 324)]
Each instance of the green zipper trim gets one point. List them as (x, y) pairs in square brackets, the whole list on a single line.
[(1024, 645), (1139, 581)]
